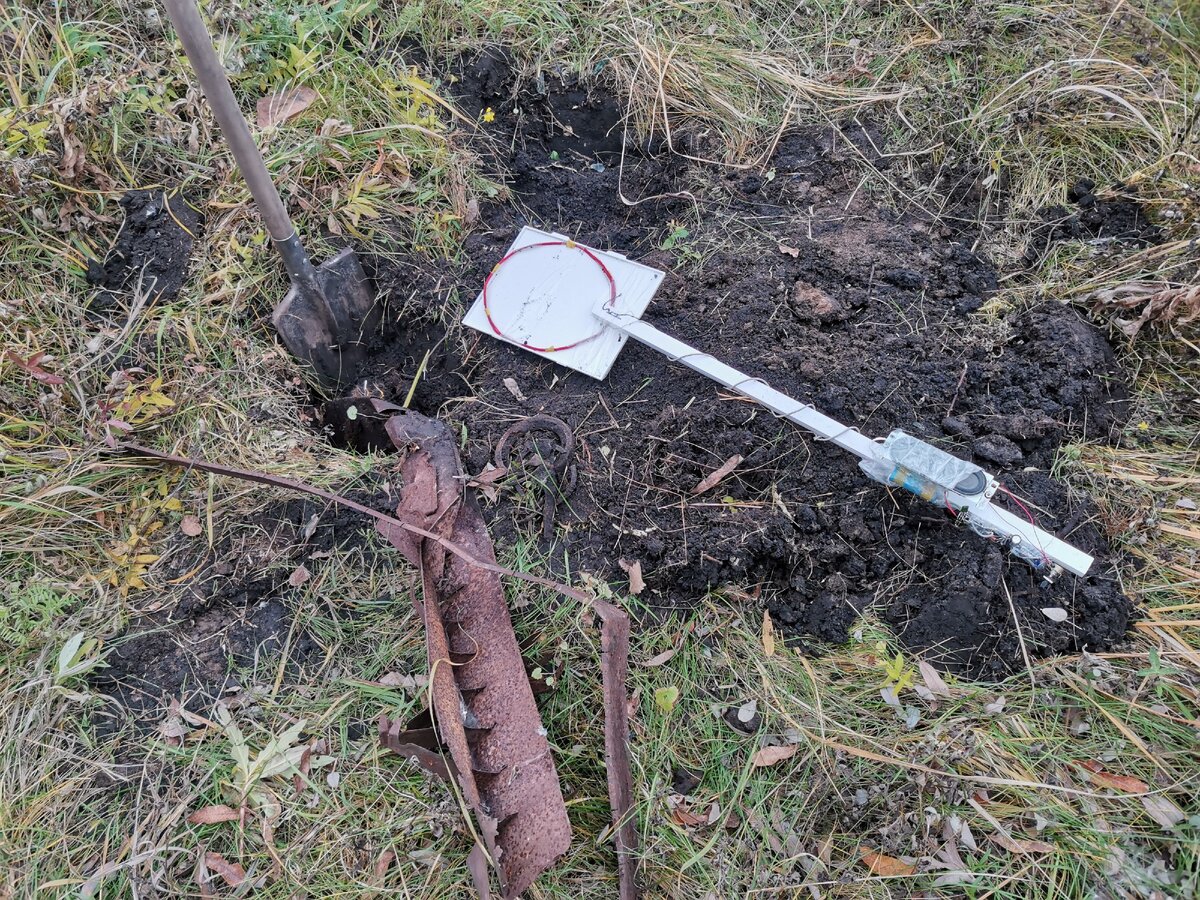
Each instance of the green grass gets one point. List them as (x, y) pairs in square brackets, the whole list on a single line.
[(957, 86)]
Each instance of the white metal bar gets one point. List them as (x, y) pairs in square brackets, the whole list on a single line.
[(990, 517), (803, 414), (1008, 525)]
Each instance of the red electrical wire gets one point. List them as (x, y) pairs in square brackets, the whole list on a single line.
[(571, 245), (1029, 516)]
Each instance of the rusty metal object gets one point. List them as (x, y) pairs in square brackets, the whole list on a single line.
[(435, 522), (614, 667), (484, 707), (549, 461), (417, 743)]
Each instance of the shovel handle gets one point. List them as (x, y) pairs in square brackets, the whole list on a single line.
[(199, 49)]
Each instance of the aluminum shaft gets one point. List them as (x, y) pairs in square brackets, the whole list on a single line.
[(984, 515)]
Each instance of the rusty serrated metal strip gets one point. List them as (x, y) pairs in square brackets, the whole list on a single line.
[(482, 700)]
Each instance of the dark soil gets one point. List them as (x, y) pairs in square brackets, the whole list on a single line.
[(1117, 218), (791, 272), (795, 275), (237, 613), (151, 252)]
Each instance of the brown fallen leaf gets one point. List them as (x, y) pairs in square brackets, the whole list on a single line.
[(33, 366), (486, 481), (232, 874), (210, 815), (715, 477), (681, 815), (1020, 846), (788, 251), (881, 864), (191, 526), (383, 863), (1160, 303), (1124, 783), (769, 756), (299, 576), (768, 634), (283, 106), (661, 658), (634, 569)]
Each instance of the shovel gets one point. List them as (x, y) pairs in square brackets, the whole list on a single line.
[(330, 310)]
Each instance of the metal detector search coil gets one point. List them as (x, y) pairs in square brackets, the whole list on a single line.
[(577, 306)]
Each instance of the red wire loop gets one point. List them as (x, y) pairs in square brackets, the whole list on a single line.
[(571, 245)]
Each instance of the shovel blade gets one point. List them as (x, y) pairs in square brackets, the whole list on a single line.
[(330, 330)]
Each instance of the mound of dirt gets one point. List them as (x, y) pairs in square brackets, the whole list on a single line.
[(793, 274), (151, 252)]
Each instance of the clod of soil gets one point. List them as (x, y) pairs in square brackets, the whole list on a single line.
[(151, 252), (796, 276), (1119, 218)]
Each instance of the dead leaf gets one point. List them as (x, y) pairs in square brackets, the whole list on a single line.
[(33, 365), (634, 569), (1161, 303), (300, 576), (933, 679), (515, 389), (660, 658), (681, 815), (191, 526), (953, 879), (1124, 783), (768, 634), (881, 864), (477, 865), (715, 477), (71, 165), (171, 729), (769, 756), (1163, 811), (383, 864), (788, 251), (747, 711), (486, 481), (1054, 613), (283, 106), (231, 873), (210, 815), (1019, 845)]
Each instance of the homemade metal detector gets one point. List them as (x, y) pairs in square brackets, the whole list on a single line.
[(577, 306)]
